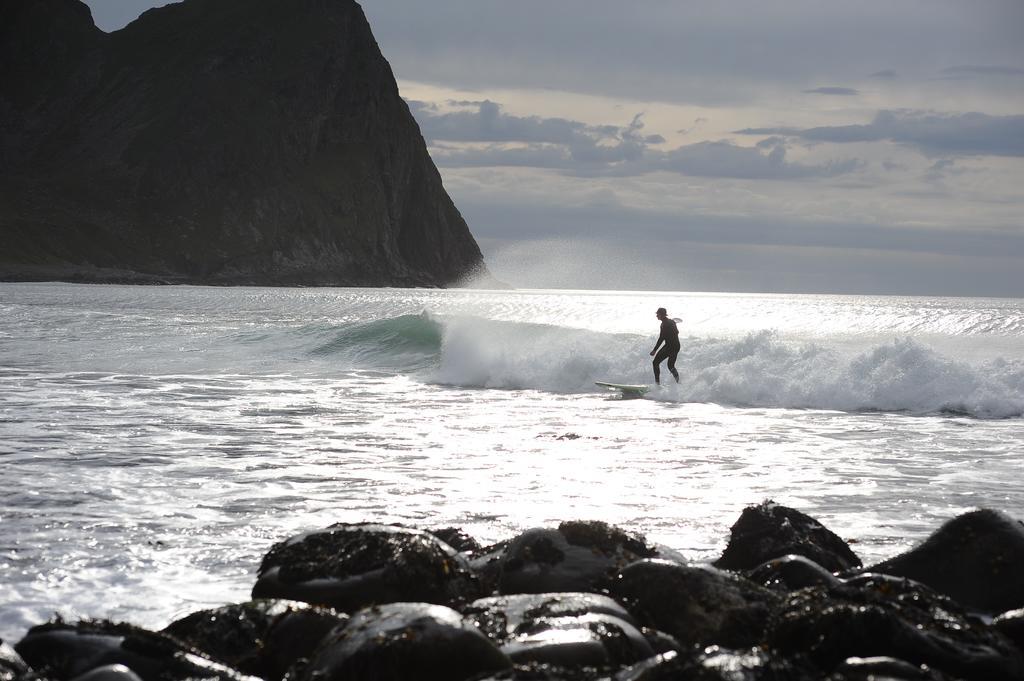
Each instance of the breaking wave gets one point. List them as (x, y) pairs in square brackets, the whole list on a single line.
[(757, 370)]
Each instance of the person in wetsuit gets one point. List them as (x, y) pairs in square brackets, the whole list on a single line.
[(669, 336)]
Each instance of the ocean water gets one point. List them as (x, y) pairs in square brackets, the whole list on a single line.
[(155, 441)]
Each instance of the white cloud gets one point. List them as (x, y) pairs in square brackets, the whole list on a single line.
[(576, 147), (834, 91), (977, 70), (966, 134)]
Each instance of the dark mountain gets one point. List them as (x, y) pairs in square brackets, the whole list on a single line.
[(215, 141)]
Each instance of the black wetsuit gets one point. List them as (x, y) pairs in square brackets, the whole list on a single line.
[(670, 336)]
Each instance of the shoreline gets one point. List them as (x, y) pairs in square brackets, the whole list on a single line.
[(587, 600)]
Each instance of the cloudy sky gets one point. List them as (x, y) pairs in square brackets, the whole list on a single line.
[(734, 145)]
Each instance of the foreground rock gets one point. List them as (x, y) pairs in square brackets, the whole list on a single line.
[(350, 566), (567, 630), (263, 638), (637, 618), (66, 651), (976, 558), (877, 615), (790, 573), (270, 147), (577, 556), (881, 667), (403, 641), (768, 531), (1011, 625), (697, 605), (721, 664)]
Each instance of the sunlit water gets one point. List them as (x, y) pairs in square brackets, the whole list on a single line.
[(155, 441)]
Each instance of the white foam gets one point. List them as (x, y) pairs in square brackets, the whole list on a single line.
[(759, 369)]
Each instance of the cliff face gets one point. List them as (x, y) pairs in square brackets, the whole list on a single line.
[(218, 141)]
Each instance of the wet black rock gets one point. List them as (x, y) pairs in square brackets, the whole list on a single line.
[(65, 651), (294, 637), (111, 672), (976, 558), (660, 642), (790, 573), (237, 141), (578, 556), (1011, 625), (668, 666), (486, 565), (879, 668), (752, 664), (539, 672), (592, 641), (721, 664), (263, 638), (403, 641), (501, 616), (768, 531), (879, 615), (569, 630), (698, 605), (348, 567), (231, 634), (458, 540)]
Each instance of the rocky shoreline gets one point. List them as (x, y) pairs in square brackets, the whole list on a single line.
[(788, 599)]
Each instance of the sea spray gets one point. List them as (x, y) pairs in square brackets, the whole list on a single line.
[(756, 370)]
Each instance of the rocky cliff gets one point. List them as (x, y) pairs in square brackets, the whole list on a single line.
[(215, 141)]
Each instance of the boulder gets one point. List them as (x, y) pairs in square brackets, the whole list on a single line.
[(67, 651), (720, 664), (403, 641), (660, 642), (584, 641), (539, 672), (877, 668), (568, 630), (458, 540), (293, 637), (698, 605), (263, 637), (790, 573), (670, 666), (350, 566), (486, 565), (976, 558), (501, 616), (1011, 625), (768, 531), (577, 556), (110, 672), (878, 615), (751, 664)]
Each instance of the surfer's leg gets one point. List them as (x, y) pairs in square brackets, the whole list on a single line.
[(672, 365), (658, 359)]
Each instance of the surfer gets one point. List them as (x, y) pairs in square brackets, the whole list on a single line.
[(670, 336)]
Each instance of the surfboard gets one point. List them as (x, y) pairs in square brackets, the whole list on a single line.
[(625, 389)]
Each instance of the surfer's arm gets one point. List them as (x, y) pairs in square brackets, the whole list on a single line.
[(661, 339)]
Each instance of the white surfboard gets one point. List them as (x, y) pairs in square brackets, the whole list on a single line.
[(625, 389)]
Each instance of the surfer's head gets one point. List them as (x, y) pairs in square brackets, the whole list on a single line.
[(661, 313)]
